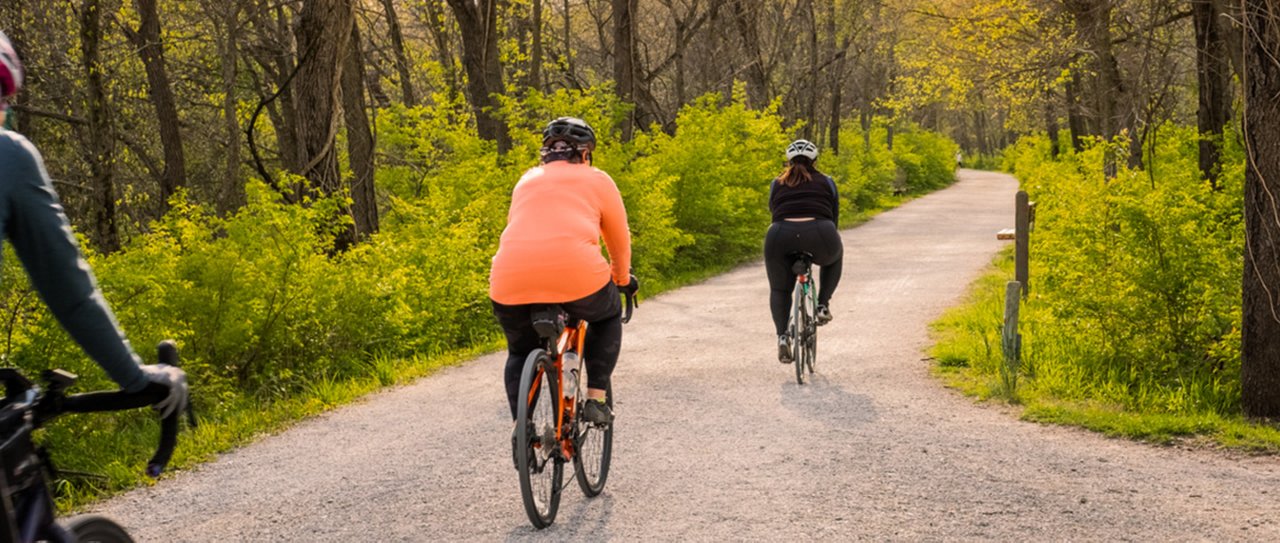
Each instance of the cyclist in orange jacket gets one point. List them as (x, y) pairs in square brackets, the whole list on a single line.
[(549, 253)]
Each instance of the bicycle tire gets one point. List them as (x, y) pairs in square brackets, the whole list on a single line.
[(797, 330), (97, 529), (539, 465), (811, 339), (594, 452)]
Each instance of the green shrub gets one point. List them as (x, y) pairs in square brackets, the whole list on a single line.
[(265, 314), (1135, 290), (926, 159)]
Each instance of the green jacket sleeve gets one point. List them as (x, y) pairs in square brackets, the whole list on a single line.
[(41, 235)]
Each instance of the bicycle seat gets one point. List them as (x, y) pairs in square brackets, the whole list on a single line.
[(800, 262), (549, 320)]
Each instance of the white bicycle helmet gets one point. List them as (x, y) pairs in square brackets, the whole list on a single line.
[(804, 148)]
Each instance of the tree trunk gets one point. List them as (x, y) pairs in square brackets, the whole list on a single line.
[(324, 36), (746, 13), (568, 43), (1051, 125), (409, 97), (100, 131), (150, 49), (624, 68), (1228, 15), (980, 131), (535, 52), (1093, 24), (1075, 117), (232, 190), (1260, 330), (837, 81), (679, 55), (286, 122), (478, 21), (864, 117), (444, 53), (1213, 78), (811, 109), (360, 145)]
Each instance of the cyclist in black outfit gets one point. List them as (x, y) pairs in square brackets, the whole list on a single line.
[(806, 208)]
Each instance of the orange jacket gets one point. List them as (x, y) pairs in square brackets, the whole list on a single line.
[(550, 250)]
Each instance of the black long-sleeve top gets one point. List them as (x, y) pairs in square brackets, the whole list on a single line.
[(817, 198)]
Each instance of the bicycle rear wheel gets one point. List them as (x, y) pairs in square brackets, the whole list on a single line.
[(811, 336), (97, 529), (800, 315), (595, 450), (538, 458)]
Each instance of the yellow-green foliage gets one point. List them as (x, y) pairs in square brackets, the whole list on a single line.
[(266, 313), (1135, 281), (864, 170)]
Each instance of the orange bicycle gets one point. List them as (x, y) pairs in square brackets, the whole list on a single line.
[(552, 395)]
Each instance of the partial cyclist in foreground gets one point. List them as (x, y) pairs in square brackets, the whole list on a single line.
[(32, 220), (549, 253), (805, 205)]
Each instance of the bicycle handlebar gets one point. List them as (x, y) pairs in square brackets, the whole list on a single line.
[(55, 402), (632, 301), (119, 400)]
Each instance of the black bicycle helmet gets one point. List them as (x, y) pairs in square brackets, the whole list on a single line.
[(570, 129)]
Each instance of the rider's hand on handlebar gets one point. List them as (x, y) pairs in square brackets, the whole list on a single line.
[(173, 378), (632, 287)]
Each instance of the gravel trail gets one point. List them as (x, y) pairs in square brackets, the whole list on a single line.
[(715, 441)]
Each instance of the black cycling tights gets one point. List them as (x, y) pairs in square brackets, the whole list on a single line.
[(602, 311), (817, 237)]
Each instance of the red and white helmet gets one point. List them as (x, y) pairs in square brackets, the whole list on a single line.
[(10, 68)]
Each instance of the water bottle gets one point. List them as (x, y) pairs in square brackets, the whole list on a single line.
[(570, 361)]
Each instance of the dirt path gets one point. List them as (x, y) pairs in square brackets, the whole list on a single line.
[(715, 441)]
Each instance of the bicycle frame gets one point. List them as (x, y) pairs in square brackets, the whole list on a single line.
[(558, 434), (566, 406), (801, 326)]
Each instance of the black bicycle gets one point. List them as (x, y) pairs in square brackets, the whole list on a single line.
[(29, 510), (551, 399), (802, 327)]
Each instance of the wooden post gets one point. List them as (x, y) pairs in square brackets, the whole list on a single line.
[(1010, 339), (1021, 239)]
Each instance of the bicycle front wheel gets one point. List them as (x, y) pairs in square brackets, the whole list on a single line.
[(595, 449), (800, 317), (538, 452), (97, 529)]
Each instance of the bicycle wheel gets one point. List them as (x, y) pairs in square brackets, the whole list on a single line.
[(811, 338), (541, 470), (798, 329), (595, 449), (97, 529)]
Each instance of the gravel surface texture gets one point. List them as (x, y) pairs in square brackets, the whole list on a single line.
[(715, 441)]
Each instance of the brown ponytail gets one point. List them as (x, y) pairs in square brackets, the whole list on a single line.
[(797, 172)]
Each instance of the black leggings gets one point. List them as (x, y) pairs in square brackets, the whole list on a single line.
[(817, 237), (602, 310)]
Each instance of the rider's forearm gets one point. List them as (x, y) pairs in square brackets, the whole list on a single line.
[(42, 238)]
